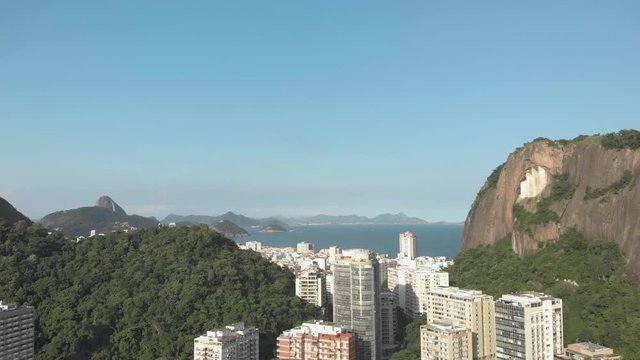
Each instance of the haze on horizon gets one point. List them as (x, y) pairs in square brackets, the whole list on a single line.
[(298, 107)]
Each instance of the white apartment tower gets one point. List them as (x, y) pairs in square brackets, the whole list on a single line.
[(235, 342), (444, 340), (356, 300), (310, 286), (411, 286), (471, 309), (254, 245), (304, 248), (528, 327), (408, 245)]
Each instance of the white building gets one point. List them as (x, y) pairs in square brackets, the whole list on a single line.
[(412, 284), (310, 286), (254, 245), (408, 245), (304, 248), (528, 327), (235, 342), (471, 309)]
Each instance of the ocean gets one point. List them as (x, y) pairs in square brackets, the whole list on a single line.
[(433, 239)]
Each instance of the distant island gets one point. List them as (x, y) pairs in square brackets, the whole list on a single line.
[(273, 228)]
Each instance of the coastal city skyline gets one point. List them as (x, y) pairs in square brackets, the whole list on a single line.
[(298, 179)]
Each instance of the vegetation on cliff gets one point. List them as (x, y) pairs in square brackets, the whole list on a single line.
[(561, 189), (622, 139), (229, 229), (142, 295), (614, 188), (599, 305), (9, 214)]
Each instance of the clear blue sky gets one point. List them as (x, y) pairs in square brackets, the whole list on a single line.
[(298, 107)]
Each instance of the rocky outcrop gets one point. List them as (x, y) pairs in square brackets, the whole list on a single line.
[(108, 203), (547, 187)]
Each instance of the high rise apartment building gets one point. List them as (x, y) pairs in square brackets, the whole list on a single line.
[(444, 340), (388, 324), (16, 332), (310, 286), (408, 245), (315, 341), (235, 342), (412, 284), (528, 327), (356, 300), (468, 308)]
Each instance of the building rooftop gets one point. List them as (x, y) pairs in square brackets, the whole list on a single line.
[(590, 348), (466, 294), (315, 328), (527, 298), (446, 326), (226, 334)]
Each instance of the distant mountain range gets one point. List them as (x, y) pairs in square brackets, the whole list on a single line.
[(242, 220), (107, 216), (104, 217)]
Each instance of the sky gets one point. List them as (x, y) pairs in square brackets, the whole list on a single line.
[(298, 107)]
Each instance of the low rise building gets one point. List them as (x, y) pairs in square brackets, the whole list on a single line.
[(235, 342), (315, 341), (588, 351), (444, 340)]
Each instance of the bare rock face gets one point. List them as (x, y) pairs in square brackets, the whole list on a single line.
[(604, 202), (108, 203)]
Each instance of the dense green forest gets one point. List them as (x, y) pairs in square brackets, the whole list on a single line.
[(599, 304), (143, 295)]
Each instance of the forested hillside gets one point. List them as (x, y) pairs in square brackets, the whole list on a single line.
[(599, 304), (143, 295)]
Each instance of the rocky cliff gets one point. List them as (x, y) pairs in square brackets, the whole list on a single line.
[(547, 187)]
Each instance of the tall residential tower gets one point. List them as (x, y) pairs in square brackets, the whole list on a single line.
[(356, 300), (408, 245)]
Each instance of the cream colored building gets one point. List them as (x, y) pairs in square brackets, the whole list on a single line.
[(443, 340), (469, 308), (408, 245), (528, 327), (310, 286), (235, 342), (588, 351), (411, 286)]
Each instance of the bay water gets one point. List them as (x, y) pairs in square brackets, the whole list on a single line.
[(433, 239)]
